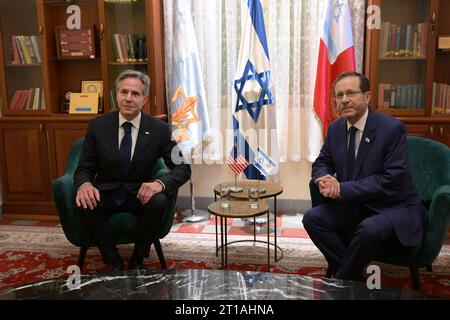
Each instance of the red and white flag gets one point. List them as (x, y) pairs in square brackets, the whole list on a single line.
[(237, 165), (336, 55)]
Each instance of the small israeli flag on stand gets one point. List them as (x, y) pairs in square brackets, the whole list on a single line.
[(264, 163)]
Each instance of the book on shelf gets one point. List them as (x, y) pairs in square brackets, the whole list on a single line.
[(408, 40), (28, 99), (75, 43), (25, 49), (129, 48), (441, 99), (400, 96)]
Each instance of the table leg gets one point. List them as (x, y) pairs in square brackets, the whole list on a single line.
[(268, 241), (275, 231), (221, 243), (226, 242), (254, 229), (217, 241)]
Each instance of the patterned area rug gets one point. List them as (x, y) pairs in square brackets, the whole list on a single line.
[(31, 254)]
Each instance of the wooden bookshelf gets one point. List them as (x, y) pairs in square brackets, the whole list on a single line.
[(410, 71), (34, 144)]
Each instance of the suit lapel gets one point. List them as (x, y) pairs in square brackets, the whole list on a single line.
[(366, 142), (113, 127), (142, 140), (341, 142)]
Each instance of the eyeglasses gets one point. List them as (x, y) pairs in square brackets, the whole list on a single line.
[(349, 94)]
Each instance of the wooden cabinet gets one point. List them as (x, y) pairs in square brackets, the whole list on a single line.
[(406, 69), (36, 133)]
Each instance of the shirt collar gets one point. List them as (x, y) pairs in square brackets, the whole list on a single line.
[(135, 122), (361, 123)]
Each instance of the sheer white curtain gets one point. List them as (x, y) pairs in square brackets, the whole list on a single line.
[(292, 28)]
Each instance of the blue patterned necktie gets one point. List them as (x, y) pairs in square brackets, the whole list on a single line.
[(351, 152), (120, 195), (125, 149)]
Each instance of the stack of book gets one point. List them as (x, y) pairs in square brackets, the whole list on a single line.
[(440, 104), (400, 96), (130, 48), (30, 99), (25, 50), (403, 40), (75, 43)]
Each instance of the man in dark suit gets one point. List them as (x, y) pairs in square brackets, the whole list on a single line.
[(362, 172), (113, 174)]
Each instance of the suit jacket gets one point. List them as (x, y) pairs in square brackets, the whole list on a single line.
[(99, 159), (381, 180)]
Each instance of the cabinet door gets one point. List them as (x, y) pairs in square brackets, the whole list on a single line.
[(402, 57), (131, 37), (25, 165), (61, 138)]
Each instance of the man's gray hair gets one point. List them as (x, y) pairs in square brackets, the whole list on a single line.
[(129, 73)]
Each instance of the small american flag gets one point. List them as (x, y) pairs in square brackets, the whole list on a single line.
[(237, 165)]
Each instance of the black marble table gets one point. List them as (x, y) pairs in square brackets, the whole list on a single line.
[(205, 285)]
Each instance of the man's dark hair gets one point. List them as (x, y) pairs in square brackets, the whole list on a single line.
[(364, 84)]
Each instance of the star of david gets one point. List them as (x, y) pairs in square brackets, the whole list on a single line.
[(265, 96), (338, 10)]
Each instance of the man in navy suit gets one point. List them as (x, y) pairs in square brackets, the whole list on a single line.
[(362, 172), (114, 171)]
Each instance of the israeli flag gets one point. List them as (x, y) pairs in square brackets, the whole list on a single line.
[(254, 111), (264, 163), (188, 109)]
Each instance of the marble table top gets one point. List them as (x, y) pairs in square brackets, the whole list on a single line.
[(204, 285)]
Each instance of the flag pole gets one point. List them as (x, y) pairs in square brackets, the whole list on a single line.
[(235, 189), (193, 214)]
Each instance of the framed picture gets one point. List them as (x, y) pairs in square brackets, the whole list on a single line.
[(94, 87)]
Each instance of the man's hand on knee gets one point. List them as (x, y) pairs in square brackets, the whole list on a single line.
[(87, 196), (148, 190)]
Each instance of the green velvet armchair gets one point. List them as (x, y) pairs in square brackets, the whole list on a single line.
[(429, 163), (123, 224)]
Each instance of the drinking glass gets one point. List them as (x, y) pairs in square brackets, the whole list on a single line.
[(224, 193), (253, 195)]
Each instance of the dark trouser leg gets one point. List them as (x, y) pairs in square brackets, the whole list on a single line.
[(95, 223), (325, 224), (371, 236), (150, 217)]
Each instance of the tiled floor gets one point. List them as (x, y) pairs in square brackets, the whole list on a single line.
[(288, 225)]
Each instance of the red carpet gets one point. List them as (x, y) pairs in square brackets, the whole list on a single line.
[(19, 268)]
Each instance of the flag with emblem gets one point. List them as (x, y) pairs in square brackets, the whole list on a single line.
[(336, 55), (254, 110), (188, 108), (264, 163)]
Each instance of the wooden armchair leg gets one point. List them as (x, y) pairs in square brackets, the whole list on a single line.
[(415, 276), (160, 254), (82, 256)]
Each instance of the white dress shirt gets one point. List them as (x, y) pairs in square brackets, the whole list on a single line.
[(360, 125)]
